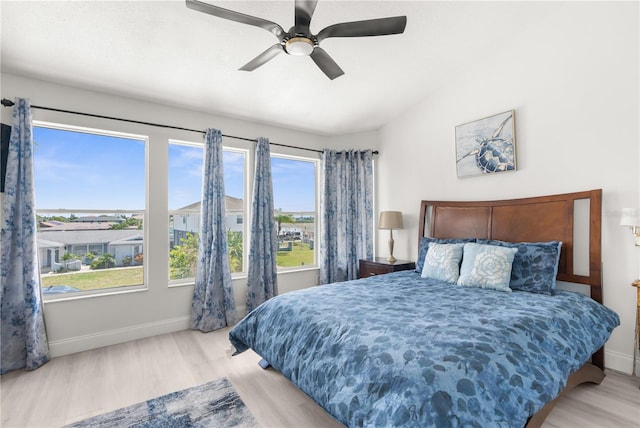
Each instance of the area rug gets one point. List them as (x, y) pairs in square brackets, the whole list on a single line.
[(214, 404)]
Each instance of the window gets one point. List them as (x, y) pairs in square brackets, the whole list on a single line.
[(295, 201), (185, 190), (90, 191)]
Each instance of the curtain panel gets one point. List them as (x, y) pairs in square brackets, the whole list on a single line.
[(23, 337), (213, 305), (262, 280), (347, 213)]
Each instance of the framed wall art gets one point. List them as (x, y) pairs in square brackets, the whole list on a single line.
[(486, 146)]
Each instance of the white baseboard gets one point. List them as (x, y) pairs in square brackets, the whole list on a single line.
[(619, 362), (112, 337)]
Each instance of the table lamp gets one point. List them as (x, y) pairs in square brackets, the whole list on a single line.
[(390, 220)]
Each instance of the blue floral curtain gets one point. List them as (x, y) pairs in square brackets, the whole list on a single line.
[(213, 305), (23, 336), (263, 278), (347, 213)]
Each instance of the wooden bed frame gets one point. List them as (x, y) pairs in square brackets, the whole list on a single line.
[(536, 219)]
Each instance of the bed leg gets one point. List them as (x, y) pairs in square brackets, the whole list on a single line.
[(264, 364)]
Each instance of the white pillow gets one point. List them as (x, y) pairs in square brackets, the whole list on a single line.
[(486, 266), (442, 262)]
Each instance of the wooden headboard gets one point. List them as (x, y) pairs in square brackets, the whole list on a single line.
[(536, 219)]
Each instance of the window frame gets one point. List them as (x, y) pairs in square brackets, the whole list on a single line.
[(144, 211), (245, 209), (316, 213)]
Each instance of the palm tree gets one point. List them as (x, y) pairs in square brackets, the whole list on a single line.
[(283, 218), (105, 261), (67, 257), (234, 243)]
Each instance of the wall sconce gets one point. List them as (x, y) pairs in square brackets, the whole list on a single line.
[(631, 218), (390, 220)]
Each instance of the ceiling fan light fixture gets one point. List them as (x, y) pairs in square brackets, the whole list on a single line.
[(300, 46)]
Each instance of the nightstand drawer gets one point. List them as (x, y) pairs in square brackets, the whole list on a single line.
[(380, 266), (372, 269)]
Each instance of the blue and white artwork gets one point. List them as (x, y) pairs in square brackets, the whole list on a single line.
[(486, 146)]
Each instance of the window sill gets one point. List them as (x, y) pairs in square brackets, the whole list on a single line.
[(91, 294)]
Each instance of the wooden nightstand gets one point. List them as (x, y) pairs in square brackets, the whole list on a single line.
[(380, 265)]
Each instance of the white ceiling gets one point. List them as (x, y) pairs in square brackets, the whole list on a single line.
[(164, 52)]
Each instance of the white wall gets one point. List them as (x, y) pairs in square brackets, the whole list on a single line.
[(573, 83), (80, 324)]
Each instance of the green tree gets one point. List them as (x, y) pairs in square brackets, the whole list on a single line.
[(234, 243), (283, 218), (90, 256), (183, 258), (66, 258), (105, 261), (55, 218), (128, 223)]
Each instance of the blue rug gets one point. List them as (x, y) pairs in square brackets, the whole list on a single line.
[(214, 404)]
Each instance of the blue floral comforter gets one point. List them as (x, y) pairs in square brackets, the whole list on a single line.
[(399, 350)]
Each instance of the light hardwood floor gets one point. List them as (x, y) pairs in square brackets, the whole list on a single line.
[(74, 387)]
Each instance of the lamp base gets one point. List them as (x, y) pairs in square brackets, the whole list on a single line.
[(391, 259)]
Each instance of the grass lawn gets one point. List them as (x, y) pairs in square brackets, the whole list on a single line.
[(300, 255), (122, 277), (97, 279)]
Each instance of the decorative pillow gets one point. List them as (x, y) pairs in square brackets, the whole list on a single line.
[(442, 262), (424, 246), (535, 265), (486, 266)]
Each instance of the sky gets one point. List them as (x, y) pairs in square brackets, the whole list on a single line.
[(75, 170)]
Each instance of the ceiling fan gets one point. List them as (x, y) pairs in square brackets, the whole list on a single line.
[(299, 40)]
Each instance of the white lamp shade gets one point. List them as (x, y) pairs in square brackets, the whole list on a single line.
[(630, 217), (390, 220)]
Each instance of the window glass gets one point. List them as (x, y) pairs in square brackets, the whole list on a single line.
[(90, 206), (185, 189), (294, 193)]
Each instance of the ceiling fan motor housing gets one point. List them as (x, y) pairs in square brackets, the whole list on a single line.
[(299, 45)]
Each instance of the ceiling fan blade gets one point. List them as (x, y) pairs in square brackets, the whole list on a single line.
[(371, 27), (265, 56), (304, 12), (236, 16), (326, 63)]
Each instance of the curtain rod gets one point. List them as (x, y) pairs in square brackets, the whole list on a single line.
[(8, 103)]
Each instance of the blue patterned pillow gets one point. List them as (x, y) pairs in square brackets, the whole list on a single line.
[(424, 246), (535, 265), (486, 266), (442, 262)]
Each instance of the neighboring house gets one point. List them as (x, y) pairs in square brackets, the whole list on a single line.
[(187, 219), (126, 249), (49, 252), (53, 244)]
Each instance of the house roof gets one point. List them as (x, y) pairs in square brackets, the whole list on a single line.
[(135, 239), (79, 237), (231, 203), (44, 243), (59, 226)]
